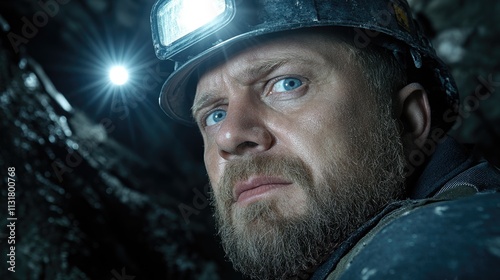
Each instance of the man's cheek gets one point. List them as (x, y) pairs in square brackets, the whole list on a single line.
[(213, 174)]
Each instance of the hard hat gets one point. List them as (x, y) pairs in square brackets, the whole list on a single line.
[(189, 32)]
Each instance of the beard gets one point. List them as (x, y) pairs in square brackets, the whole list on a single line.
[(265, 240)]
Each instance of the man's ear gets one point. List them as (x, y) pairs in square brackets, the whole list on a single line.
[(413, 109)]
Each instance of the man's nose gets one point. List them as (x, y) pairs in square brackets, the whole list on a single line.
[(243, 131)]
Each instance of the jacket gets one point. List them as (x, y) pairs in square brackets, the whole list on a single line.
[(449, 228)]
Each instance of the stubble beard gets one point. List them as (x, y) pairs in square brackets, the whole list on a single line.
[(264, 241)]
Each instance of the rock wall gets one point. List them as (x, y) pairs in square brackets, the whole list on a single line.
[(86, 206), (465, 35)]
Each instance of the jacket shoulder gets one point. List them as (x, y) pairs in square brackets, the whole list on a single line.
[(452, 239)]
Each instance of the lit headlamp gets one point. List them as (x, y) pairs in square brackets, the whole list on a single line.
[(178, 24)]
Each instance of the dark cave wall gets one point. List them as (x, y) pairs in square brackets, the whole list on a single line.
[(87, 207), (465, 35)]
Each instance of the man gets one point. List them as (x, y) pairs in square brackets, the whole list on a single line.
[(320, 121)]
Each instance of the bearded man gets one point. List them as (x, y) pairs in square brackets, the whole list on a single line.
[(325, 147)]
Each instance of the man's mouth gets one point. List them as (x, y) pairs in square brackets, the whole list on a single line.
[(256, 186)]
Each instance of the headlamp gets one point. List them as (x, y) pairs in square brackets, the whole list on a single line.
[(178, 24)]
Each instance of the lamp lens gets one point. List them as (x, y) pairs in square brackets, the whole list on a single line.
[(177, 18)]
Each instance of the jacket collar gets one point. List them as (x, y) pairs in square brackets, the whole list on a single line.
[(448, 160)]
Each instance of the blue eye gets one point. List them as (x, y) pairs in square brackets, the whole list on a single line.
[(286, 84), (215, 117)]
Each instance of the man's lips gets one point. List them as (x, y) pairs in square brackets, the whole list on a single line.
[(257, 185)]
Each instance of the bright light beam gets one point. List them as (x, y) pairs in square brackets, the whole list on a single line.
[(118, 75)]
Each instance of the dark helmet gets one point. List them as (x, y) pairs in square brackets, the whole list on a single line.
[(189, 32)]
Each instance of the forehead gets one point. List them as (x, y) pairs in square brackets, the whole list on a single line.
[(253, 59)]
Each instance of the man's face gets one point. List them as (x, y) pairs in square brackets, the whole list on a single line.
[(297, 153)]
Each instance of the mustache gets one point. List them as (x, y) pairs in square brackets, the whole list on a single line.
[(291, 168)]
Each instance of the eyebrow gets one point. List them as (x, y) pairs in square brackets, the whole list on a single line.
[(201, 103), (260, 69)]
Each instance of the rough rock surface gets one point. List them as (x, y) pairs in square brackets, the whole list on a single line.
[(465, 36), (86, 206)]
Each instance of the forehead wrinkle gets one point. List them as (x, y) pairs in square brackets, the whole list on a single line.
[(263, 67), (272, 60)]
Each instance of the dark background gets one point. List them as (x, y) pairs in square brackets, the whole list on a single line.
[(112, 187)]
